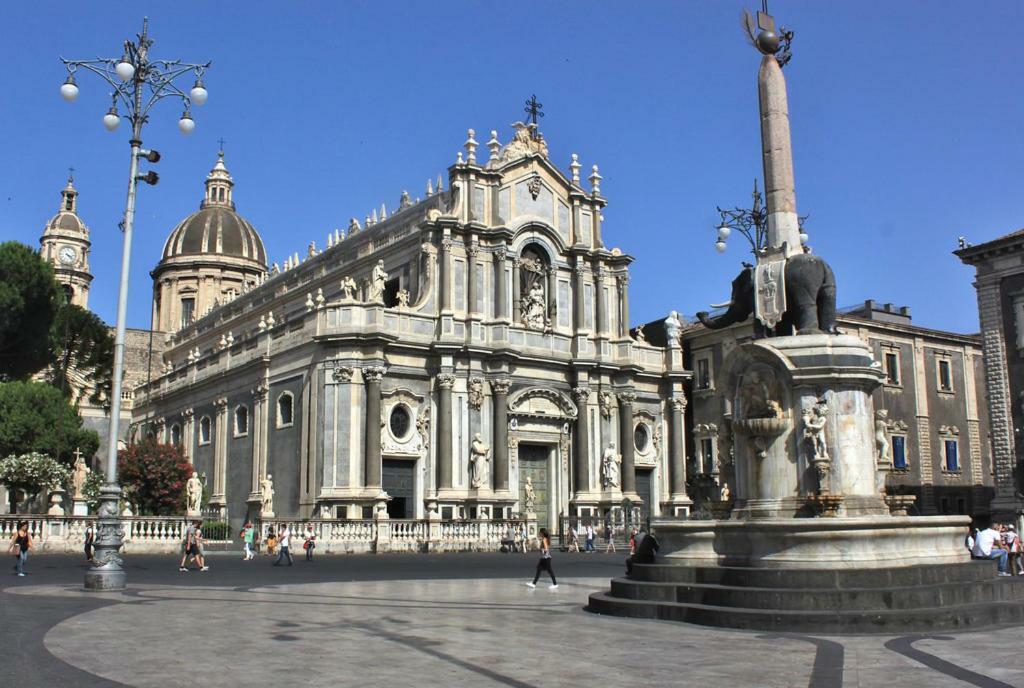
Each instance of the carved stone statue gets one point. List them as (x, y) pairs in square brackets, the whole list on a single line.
[(348, 288), (610, 466), (377, 279), (403, 298), (526, 140), (815, 419), (423, 428), (354, 226), (194, 492), (641, 338), (882, 436), (534, 307), (80, 475), (673, 327), (267, 496), (530, 495), (759, 395), (479, 463)]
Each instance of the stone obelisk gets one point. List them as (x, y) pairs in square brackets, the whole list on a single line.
[(777, 153)]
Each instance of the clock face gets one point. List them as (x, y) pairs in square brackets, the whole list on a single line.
[(67, 255)]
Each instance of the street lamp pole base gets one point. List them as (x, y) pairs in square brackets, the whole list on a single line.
[(107, 572)]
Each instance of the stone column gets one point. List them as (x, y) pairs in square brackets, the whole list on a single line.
[(623, 280), (445, 265), (677, 445), (371, 439), (445, 382), (517, 297), (626, 400), (188, 432), (601, 307), (259, 431), (578, 304), (499, 389), (220, 450), (500, 296), (582, 458), (471, 253)]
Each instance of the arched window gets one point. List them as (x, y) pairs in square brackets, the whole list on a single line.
[(176, 434), (285, 410), (241, 421), (204, 430)]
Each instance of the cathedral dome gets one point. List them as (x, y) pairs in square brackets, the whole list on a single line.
[(216, 229)]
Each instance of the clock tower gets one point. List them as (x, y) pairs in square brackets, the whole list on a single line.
[(65, 244)]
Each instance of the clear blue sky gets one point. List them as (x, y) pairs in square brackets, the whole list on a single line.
[(906, 121)]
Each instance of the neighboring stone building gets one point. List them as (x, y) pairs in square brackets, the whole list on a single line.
[(999, 266), (937, 417), (466, 355)]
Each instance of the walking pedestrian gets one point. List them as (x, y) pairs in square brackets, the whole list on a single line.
[(574, 539), (200, 553), (609, 534), (187, 543), (544, 564), (248, 533), (309, 541), (21, 543), (284, 538), (589, 532), (90, 539)]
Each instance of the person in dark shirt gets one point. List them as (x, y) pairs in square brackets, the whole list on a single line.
[(646, 548)]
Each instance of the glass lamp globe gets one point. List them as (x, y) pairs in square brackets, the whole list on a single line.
[(69, 90), (125, 69), (803, 238), (720, 246), (111, 119), (724, 231), (198, 94), (186, 125)]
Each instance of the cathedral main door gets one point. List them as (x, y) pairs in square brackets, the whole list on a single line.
[(533, 463), (398, 479)]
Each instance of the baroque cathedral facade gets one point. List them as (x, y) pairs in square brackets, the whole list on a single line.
[(468, 355)]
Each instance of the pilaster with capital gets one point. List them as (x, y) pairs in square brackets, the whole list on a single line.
[(623, 283), (259, 437), (578, 273), (499, 389), (500, 294), (626, 446), (472, 250), (220, 452), (582, 458), (677, 445), (189, 432), (601, 308), (372, 376), (445, 263), (445, 382)]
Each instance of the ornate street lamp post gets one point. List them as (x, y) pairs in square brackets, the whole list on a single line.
[(138, 83)]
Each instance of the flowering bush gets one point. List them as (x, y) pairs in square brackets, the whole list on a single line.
[(91, 490), (31, 473), (153, 476)]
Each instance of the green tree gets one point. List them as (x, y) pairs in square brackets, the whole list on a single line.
[(29, 298), (154, 476), (36, 417), (31, 473), (82, 353)]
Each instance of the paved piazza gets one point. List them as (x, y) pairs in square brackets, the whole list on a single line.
[(455, 620)]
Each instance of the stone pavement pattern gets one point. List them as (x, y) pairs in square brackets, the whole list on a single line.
[(460, 620)]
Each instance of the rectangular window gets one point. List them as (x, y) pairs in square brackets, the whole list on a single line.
[(707, 453), (899, 452), (892, 368), (952, 461), (703, 374), (945, 375), (188, 311)]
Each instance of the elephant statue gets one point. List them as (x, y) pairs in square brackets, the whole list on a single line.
[(810, 299)]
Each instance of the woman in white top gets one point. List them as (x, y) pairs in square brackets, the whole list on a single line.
[(544, 540)]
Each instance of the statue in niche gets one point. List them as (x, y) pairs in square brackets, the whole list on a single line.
[(194, 491), (348, 288), (882, 436), (403, 298), (534, 309), (267, 496), (80, 475), (610, 466), (759, 395), (530, 496), (479, 462), (377, 279), (423, 426), (815, 419)]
